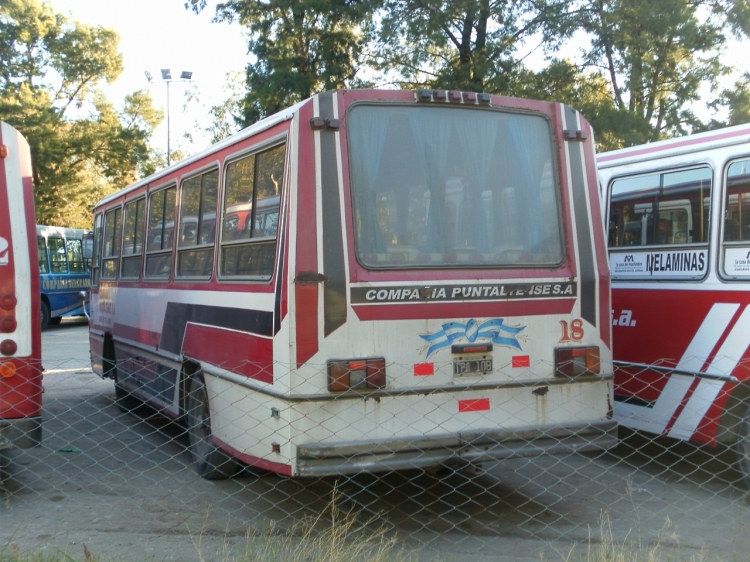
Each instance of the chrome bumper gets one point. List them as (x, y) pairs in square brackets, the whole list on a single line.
[(426, 452)]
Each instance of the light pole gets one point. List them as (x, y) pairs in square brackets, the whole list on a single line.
[(166, 75)]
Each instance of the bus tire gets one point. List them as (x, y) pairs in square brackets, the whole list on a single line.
[(742, 447), (45, 315), (210, 462)]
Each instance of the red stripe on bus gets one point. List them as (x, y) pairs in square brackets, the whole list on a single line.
[(462, 310), (306, 308), (477, 405), (238, 352), (277, 467), (681, 407), (146, 337)]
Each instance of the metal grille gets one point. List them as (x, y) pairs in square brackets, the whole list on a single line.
[(122, 485)]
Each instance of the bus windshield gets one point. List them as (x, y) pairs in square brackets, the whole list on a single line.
[(452, 187)]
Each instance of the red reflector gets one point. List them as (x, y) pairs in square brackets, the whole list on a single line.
[(8, 301), (357, 365), (8, 324), (8, 347), (518, 361), (478, 405), (424, 369)]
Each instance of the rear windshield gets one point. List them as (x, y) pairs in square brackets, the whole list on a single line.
[(452, 187)]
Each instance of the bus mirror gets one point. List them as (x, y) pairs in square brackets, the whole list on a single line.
[(88, 245)]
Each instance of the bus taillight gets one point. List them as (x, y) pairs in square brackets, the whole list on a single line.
[(356, 374), (576, 361), (8, 324), (8, 347), (7, 369)]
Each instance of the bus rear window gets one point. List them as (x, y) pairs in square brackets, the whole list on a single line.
[(453, 187)]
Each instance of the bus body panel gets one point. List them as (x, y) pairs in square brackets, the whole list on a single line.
[(21, 380), (265, 347), (681, 322)]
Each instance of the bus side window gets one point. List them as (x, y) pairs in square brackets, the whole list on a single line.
[(57, 255), (132, 248), (160, 233), (75, 255), (660, 209), (737, 203), (41, 245), (111, 245), (96, 253), (195, 244), (252, 197)]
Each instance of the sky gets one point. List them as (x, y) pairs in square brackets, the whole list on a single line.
[(157, 34)]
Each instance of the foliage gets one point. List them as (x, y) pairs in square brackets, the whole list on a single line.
[(464, 44), (657, 58), (300, 47), (82, 146)]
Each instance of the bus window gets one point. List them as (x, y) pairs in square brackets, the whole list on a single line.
[(41, 246), (75, 255), (160, 233), (57, 255), (195, 255), (660, 209), (97, 251), (111, 246), (737, 214), (423, 198), (132, 248), (251, 214)]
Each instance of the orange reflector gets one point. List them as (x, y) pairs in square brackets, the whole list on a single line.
[(7, 369), (3, 151)]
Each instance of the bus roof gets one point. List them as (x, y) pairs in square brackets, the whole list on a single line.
[(60, 231), (739, 134)]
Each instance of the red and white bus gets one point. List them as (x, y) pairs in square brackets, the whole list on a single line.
[(20, 338), (366, 281), (679, 248)]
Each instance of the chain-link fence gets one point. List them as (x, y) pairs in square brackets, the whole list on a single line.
[(120, 478)]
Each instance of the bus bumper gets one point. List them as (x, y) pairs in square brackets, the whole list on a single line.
[(21, 433), (364, 456)]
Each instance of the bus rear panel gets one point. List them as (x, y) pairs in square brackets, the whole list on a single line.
[(367, 281), (20, 341)]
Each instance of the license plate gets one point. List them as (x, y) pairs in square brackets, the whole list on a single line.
[(462, 367)]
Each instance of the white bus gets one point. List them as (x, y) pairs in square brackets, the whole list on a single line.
[(395, 280), (679, 247)]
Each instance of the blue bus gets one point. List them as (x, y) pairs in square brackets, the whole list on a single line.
[(63, 270)]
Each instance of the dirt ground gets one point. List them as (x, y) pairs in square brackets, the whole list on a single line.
[(122, 485)]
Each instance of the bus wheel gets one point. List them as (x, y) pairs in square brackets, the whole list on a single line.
[(45, 315), (210, 462), (742, 447)]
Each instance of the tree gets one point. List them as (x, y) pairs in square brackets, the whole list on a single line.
[(464, 44), (82, 147), (657, 56), (300, 47)]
